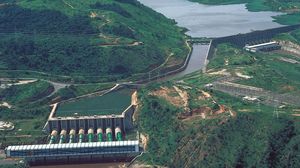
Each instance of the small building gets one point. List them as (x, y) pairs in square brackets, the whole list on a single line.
[(269, 46)]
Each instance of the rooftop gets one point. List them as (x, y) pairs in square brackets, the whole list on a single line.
[(72, 145), (262, 44)]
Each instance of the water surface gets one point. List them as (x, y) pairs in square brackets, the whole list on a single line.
[(213, 21), (114, 102), (197, 60)]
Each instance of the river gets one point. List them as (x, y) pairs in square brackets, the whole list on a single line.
[(202, 21)]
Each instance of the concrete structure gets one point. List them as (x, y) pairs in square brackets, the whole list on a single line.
[(255, 37), (82, 139), (6, 126), (269, 46), (74, 152), (91, 123)]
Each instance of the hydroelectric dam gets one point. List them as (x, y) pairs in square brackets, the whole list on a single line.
[(80, 135)]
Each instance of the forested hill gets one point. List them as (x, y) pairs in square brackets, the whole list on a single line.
[(94, 37)]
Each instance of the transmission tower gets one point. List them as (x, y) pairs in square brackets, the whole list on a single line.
[(276, 112)]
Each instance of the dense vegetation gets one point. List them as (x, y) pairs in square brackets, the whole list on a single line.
[(293, 36), (255, 137), (158, 120), (251, 139), (88, 38), (291, 7), (20, 94), (28, 111), (73, 91)]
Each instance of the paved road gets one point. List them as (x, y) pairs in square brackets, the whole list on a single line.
[(57, 86)]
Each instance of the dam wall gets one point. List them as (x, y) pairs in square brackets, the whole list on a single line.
[(254, 37)]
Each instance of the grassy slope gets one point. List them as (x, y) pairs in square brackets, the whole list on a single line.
[(28, 117), (19, 94), (79, 90), (293, 36), (267, 70), (290, 6), (70, 43)]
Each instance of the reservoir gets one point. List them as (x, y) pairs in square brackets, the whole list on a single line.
[(210, 21), (213, 21)]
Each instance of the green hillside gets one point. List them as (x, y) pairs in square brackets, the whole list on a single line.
[(22, 94), (215, 129), (291, 7), (251, 137), (91, 37)]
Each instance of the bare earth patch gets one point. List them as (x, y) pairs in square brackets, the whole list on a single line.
[(297, 115), (5, 104), (144, 139), (93, 15), (288, 60), (205, 94), (239, 74), (222, 72), (170, 95), (287, 88), (244, 110), (184, 96), (296, 110)]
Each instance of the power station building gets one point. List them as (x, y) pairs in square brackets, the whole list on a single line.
[(269, 46), (74, 152), (83, 137)]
